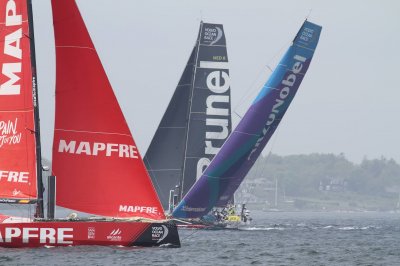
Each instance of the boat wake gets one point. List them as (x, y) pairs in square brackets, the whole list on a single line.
[(261, 228), (281, 227)]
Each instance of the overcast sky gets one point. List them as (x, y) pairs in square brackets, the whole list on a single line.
[(348, 102)]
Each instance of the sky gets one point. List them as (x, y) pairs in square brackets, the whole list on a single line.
[(348, 102)]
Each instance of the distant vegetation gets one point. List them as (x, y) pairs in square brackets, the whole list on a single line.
[(322, 182), (318, 182)]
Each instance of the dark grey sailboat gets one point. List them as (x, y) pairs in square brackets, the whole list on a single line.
[(196, 122)]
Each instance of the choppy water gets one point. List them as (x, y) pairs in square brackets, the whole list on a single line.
[(273, 239)]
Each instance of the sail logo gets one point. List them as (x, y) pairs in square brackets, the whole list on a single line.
[(212, 35), (217, 114), (159, 233), (186, 208), (140, 209), (287, 83), (14, 176), (98, 148), (115, 235), (44, 235), (307, 35), (16, 192), (12, 42), (8, 133)]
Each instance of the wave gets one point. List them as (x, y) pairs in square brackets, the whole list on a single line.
[(255, 228)]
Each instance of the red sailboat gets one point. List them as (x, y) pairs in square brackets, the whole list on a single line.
[(98, 167)]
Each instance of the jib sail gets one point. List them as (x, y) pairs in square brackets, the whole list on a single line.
[(98, 166)]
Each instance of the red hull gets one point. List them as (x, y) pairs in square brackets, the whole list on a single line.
[(73, 233)]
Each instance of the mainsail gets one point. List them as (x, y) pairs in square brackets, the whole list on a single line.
[(197, 120), (20, 165), (240, 151), (98, 167)]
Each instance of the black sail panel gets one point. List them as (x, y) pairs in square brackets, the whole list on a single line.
[(164, 157), (197, 120)]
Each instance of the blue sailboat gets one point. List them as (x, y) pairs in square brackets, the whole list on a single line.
[(229, 167)]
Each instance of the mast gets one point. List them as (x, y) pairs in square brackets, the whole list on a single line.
[(180, 192), (35, 97)]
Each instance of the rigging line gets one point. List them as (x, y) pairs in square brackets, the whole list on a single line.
[(92, 132), (253, 84), (194, 232), (264, 165), (309, 14), (238, 115), (190, 110)]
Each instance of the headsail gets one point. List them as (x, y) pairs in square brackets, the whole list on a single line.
[(19, 161), (198, 118), (98, 167), (244, 145)]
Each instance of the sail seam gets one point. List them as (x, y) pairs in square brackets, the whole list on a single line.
[(301, 46), (16, 111), (92, 132), (78, 47), (219, 177), (250, 134), (156, 170), (207, 45), (173, 127)]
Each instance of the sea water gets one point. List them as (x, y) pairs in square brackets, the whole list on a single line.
[(274, 238)]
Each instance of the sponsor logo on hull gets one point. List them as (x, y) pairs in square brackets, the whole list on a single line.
[(159, 233), (62, 236), (192, 209), (115, 235), (91, 233)]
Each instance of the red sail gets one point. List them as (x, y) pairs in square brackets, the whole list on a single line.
[(17, 139), (98, 167)]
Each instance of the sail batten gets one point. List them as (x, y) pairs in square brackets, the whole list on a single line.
[(240, 151), (98, 166)]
